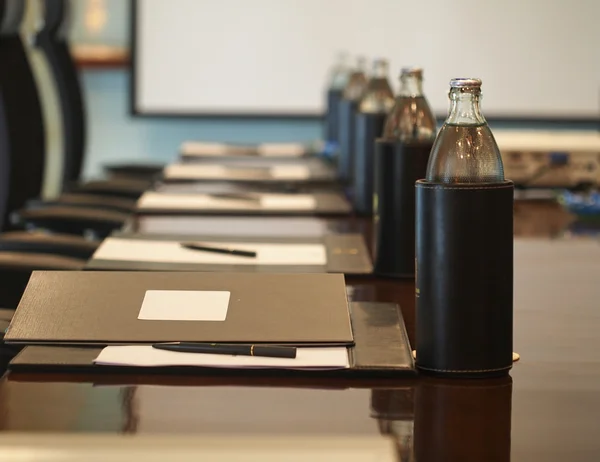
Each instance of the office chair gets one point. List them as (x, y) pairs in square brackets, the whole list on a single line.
[(25, 137), (15, 266), (53, 42)]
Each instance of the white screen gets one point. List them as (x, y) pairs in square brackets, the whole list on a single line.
[(537, 58)]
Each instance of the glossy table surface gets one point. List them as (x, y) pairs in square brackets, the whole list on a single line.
[(548, 410)]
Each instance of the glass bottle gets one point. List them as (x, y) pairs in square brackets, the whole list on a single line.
[(357, 83), (378, 96), (411, 118), (340, 73), (465, 150)]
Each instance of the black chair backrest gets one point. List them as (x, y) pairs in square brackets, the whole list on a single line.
[(24, 123), (52, 40), (4, 163)]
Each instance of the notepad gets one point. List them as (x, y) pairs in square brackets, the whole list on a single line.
[(332, 358), (174, 201), (117, 249)]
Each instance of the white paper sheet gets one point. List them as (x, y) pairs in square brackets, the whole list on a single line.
[(195, 171), (198, 148), (290, 172), (212, 171), (118, 249), (146, 356), (175, 201), (281, 149), (185, 305), (208, 149), (240, 227)]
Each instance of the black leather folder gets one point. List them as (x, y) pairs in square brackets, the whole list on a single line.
[(67, 307), (381, 348), (248, 203), (345, 253)]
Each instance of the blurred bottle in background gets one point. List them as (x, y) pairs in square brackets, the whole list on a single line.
[(401, 157), (353, 92), (378, 96), (465, 150), (373, 108), (357, 81), (411, 117), (338, 79)]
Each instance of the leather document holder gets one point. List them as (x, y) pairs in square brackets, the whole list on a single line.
[(381, 348), (106, 307), (345, 253)]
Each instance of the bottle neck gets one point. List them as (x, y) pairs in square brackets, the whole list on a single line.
[(380, 69), (464, 108), (411, 86)]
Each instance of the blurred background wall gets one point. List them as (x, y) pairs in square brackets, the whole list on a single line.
[(115, 135)]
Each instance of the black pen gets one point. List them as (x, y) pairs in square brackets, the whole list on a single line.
[(225, 250), (236, 196), (229, 349)]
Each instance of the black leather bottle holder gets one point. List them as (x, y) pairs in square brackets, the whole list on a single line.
[(368, 127), (464, 278), (346, 112), (397, 166), (332, 117)]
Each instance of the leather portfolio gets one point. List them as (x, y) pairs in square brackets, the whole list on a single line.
[(331, 253), (381, 347), (68, 307), (242, 203)]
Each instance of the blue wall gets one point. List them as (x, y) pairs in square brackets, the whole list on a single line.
[(114, 135)]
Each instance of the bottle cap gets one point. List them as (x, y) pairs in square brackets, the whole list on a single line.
[(464, 83), (412, 71)]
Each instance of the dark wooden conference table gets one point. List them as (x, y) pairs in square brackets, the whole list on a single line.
[(549, 409)]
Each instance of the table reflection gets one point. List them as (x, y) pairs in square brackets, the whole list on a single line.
[(463, 421), (394, 411)]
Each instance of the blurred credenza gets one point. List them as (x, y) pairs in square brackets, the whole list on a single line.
[(557, 158), (100, 56)]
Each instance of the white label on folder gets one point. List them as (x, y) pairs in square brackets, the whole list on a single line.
[(185, 305), (288, 202)]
